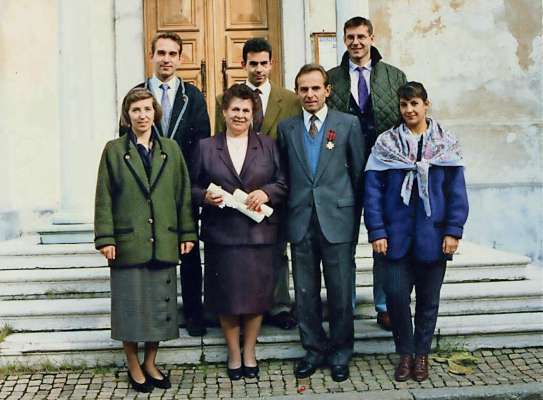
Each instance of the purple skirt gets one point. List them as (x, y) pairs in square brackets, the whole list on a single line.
[(238, 279)]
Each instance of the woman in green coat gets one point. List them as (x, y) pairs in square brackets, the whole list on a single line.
[(143, 223)]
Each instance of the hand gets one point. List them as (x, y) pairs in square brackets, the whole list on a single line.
[(108, 252), (450, 245), (186, 247), (213, 199), (255, 199), (380, 246)]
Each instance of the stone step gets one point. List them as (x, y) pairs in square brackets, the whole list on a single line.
[(95, 347), (456, 299)]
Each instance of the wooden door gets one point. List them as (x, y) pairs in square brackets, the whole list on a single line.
[(213, 33)]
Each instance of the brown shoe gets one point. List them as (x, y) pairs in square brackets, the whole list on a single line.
[(404, 368), (383, 320), (420, 371)]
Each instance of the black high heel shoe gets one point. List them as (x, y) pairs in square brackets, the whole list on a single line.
[(163, 383), (144, 387), (251, 372), (235, 374)]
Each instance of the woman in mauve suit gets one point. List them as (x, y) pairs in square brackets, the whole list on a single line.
[(238, 251)]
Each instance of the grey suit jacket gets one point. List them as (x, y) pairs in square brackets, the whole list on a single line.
[(336, 189)]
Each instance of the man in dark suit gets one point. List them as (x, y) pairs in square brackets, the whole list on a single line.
[(324, 152), (276, 104), (185, 119)]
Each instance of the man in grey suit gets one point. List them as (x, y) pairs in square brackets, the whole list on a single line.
[(324, 152)]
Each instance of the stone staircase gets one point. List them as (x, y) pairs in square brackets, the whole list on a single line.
[(55, 298)]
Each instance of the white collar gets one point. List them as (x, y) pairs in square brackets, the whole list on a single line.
[(321, 114), (172, 82), (265, 88), (353, 67)]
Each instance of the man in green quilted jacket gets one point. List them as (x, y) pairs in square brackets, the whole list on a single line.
[(365, 86)]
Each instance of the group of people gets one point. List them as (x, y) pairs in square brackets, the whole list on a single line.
[(356, 139)]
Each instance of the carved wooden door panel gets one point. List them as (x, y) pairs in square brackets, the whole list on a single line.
[(213, 33)]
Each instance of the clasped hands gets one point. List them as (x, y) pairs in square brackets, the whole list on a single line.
[(254, 201), (449, 246), (109, 252)]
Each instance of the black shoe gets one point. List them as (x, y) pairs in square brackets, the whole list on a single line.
[(235, 374), (339, 372), (251, 372), (305, 369), (196, 327), (284, 320), (163, 383), (144, 387)]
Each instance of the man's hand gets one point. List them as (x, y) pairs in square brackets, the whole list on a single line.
[(255, 199), (380, 246), (186, 247), (213, 199), (450, 245), (108, 252)]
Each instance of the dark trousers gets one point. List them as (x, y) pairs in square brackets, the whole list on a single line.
[(338, 277), (191, 283), (400, 278)]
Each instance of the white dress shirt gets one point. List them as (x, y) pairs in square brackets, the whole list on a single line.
[(265, 90), (366, 72), (237, 148), (321, 116), (154, 85)]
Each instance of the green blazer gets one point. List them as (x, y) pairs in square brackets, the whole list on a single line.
[(146, 219), (282, 104)]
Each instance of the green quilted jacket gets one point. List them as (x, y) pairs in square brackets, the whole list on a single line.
[(384, 82)]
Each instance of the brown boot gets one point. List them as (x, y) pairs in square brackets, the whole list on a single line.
[(420, 371), (404, 368)]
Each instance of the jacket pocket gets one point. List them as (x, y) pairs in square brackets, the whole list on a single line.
[(123, 234), (121, 231), (345, 202), (172, 229)]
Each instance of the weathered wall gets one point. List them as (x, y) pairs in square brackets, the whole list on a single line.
[(481, 63), (29, 165)]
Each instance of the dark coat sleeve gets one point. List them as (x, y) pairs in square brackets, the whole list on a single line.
[(185, 219), (457, 202), (374, 200), (277, 188), (199, 180)]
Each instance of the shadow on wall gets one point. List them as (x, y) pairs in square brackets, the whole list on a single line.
[(507, 218), (10, 224)]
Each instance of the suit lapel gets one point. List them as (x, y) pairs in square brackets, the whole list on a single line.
[(272, 110), (325, 154), (296, 133), (252, 152), (158, 163), (178, 104), (135, 165), (222, 149)]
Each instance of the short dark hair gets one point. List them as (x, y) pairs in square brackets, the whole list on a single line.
[(239, 91), (256, 45), (167, 35), (355, 22), (412, 89), (131, 97), (307, 68)]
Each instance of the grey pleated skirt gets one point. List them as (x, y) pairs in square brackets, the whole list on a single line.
[(144, 303)]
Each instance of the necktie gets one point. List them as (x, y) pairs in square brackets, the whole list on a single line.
[(258, 117), (313, 126), (166, 108), (362, 89)]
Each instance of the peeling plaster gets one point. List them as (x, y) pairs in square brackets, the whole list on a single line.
[(456, 4), (435, 25), (525, 25), (382, 29)]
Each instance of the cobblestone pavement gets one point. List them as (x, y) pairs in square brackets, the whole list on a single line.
[(209, 381)]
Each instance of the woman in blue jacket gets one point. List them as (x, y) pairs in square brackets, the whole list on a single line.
[(415, 207)]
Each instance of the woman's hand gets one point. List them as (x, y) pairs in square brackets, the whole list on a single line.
[(380, 246), (450, 245), (186, 247), (108, 252), (213, 199), (255, 199)]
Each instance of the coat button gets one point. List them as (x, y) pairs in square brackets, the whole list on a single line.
[(127, 156), (148, 201), (163, 155), (151, 240), (169, 281), (167, 299), (150, 220), (168, 319)]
